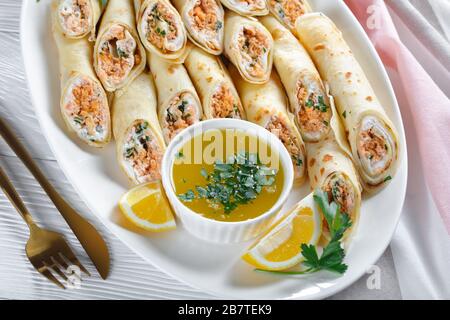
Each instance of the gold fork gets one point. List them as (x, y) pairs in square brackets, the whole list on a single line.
[(90, 239), (46, 250)]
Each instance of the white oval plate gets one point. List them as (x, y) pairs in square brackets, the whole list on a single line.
[(216, 269)]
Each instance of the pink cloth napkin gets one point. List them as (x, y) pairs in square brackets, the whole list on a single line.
[(429, 106)]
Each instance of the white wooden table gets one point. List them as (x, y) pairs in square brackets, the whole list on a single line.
[(131, 277)]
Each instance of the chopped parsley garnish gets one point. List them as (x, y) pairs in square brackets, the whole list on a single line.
[(320, 105), (78, 119), (219, 25), (187, 197), (129, 152), (141, 127), (387, 178), (333, 254), (344, 114), (170, 117), (160, 31), (121, 53), (297, 161), (183, 105), (179, 155), (239, 181)]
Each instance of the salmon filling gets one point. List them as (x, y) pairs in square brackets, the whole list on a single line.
[(288, 10), (340, 190), (161, 28), (86, 106), (250, 5), (375, 145), (75, 16), (143, 153), (254, 49), (314, 114), (181, 113), (224, 104), (279, 128), (118, 54), (207, 21)]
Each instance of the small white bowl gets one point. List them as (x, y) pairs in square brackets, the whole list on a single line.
[(222, 231)]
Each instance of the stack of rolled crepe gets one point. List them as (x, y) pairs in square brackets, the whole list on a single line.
[(329, 163), (84, 104), (372, 136)]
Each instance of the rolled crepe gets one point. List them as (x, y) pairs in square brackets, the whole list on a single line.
[(266, 105), (213, 83), (246, 7), (308, 100), (249, 46), (139, 141), (332, 170), (178, 103), (372, 136), (204, 21), (161, 28), (288, 11), (84, 104), (78, 18), (119, 56)]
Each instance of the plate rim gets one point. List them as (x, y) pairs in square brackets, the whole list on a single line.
[(322, 294)]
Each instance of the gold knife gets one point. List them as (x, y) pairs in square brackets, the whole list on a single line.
[(87, 235)]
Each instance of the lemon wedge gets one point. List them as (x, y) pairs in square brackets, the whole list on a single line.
[(279, 248), (147, 207)]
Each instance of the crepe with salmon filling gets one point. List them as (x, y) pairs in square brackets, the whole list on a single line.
[(119, 56), (249, 46), (247, 7), (84, 105), (216, 90), (161, 28), (178, 103), (308, 100), (204, 21), (139, 143), (78, 18), (372, 136), (288, 11), (332, 170), (266, 105)]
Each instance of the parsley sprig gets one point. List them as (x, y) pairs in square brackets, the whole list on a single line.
[(333, 254), (239, 181)]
